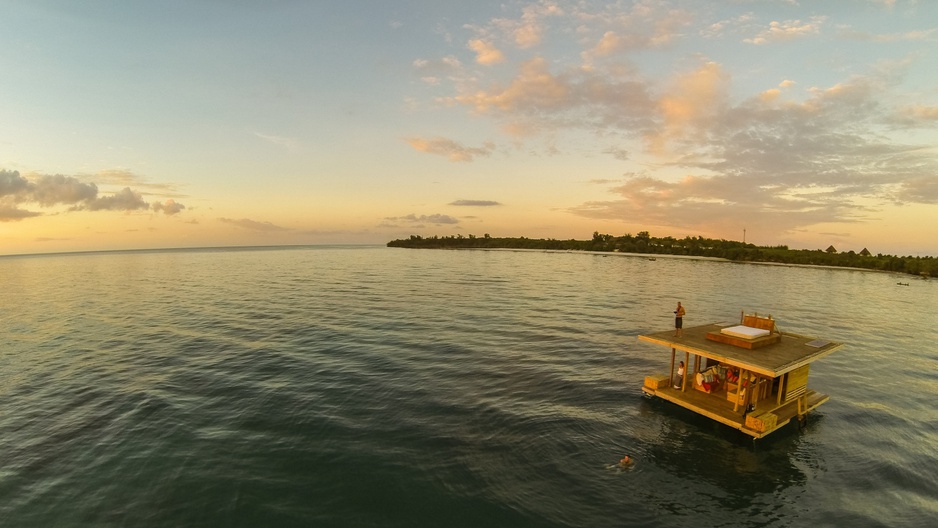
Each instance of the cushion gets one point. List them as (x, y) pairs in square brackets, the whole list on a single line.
[(744, 332)]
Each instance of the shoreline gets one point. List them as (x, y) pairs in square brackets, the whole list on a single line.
[(648, 246), (648, 256)]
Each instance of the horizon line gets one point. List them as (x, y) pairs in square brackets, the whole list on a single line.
[(186, 248)]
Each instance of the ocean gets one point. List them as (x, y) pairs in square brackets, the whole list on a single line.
[(366, 386)]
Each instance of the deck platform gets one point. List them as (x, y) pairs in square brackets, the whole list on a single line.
[(717, 407)]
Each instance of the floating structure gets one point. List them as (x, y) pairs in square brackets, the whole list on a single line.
[(749, 376)]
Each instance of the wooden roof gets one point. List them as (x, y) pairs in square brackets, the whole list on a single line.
[(791, 352)]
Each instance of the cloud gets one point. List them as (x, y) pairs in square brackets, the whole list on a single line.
[(418, 221), (541, 95), (921, 189), (12, 184), (450, 149), (486, 52), (534, 86), (770, 94), (169, 208), (617, 153), (9, 213), (788, 30), (715, 204), (125, 200), (48, 191), (126, 178), (635, 35), (745, 23), (434, 71), (253, 225), (920, 113), (475, 203), (689, 106), (764, 160), (713, 154), (645, 25), (286, 142), (538, 100), (916, 35), (609, 44), (714, 30), (59, 189), (528, 30), (528, 35)]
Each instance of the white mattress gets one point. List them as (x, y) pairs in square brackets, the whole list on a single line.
[(744, 332)]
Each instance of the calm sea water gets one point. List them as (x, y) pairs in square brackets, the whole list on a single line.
[(368, 386)]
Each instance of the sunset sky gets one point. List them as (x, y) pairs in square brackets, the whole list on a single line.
[(138, 124)]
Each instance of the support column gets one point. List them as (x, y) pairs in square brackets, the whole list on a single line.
[(671, 375), (782, 381), (743, 376), (686, 370)]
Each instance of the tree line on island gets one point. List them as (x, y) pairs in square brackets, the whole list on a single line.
[(644, 243)]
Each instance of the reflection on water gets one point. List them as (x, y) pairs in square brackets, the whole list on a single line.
[(696, 448)]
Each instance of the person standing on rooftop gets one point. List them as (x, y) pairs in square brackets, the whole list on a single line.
[(679, 320)]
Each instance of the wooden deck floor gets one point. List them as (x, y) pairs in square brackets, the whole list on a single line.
[(717, 407)]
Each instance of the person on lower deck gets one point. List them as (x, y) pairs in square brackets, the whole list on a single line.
[(679, 379)]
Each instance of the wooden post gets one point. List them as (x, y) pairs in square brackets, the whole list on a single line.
[(765, 388), (686, 370), (756, 388), (671, 378), (743, 375), (802, 415), (781, 387)]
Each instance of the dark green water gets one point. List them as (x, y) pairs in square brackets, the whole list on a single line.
[(383, 387)]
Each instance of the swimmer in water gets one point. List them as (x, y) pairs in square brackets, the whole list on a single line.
[(625, 463)]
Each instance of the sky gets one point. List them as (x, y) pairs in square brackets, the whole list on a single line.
[(139, 124)]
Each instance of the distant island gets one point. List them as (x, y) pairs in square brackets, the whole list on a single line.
[(644, 243)]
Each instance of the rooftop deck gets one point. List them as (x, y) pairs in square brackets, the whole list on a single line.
[(791, 352)]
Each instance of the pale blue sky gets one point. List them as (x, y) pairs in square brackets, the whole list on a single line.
[(155, 124)]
